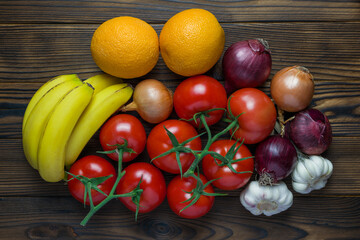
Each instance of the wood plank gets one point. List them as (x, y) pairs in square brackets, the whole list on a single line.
[(55, 218), (40, 39), (156, 11), (36, 53), (344, 154)]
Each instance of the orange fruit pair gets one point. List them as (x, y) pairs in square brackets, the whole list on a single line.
[(191, 42)]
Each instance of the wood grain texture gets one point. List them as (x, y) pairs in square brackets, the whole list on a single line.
[(40, 39), (58, 218), (159, 11), (329, 50)]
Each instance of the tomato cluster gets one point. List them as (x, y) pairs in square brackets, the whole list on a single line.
[(175, 147)]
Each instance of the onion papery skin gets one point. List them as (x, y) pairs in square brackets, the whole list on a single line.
[(246, 64), (152, 100), (311, 132), (292, 88), (275, 159)]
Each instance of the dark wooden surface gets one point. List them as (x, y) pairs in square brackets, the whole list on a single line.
[(43, 39)]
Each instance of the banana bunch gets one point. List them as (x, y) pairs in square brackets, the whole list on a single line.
[(63, 115)]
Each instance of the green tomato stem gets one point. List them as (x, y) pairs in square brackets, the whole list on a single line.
[(211, 140), (135, 193), (206, 126), (199, 155), (94, 209)]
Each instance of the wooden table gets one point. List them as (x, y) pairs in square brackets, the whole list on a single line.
[(43, 39)]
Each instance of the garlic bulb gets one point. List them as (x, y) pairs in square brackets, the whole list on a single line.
[(311, 173), (268, 200)]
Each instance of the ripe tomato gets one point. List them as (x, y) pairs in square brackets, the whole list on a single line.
[(228, 180), (92, 167), (197, 94), (159, 142), (153, 185), (259, 114), (120, 127), (177, 194)]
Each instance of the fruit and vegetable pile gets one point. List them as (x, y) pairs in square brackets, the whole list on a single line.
[(66, 112)]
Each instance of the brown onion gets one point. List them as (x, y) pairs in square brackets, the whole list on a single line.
[(292, 88), (152, 100)]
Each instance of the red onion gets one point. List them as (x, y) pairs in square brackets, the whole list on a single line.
[(246, 64), (275, 158), (311, 132)]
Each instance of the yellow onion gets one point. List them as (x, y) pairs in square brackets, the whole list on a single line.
[(152, 100), (292, 88)]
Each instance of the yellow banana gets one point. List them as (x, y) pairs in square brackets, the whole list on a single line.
[(35, 124), (101, 107), (51, 153), (101, 81), (42, 91)]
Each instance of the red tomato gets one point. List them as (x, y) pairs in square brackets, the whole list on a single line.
[(120, 127), (159, 142), (197, 94), (92, 167), (153, 185), (228, 180), (176, 195), (259, 114)]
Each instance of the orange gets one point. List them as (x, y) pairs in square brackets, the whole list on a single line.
[(125, 47), (191, 42)]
